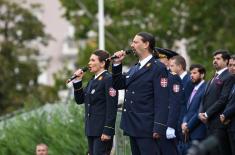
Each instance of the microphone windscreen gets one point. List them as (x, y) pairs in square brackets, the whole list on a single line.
[(84, 69), (129, 51)]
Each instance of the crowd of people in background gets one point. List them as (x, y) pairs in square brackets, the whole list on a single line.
[(165, 107)]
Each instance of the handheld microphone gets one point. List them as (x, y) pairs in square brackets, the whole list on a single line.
[(84, 69), (129, 51)]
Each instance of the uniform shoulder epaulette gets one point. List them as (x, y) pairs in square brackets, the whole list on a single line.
[(173, 73)]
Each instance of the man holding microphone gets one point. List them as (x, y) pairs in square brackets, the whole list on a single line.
[(145, 109)]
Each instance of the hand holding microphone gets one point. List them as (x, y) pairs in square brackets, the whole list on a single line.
[(119, 56), (78, 74)]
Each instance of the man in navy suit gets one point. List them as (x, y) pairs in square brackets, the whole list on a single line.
[(228, 115), (215, 99), (145, 108), (168, 144), (192, 127)]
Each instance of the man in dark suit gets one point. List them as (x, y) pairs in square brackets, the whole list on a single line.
[(168, 144), (100, 100), (215, 99), (145, 108), (228, 115), (192, 127)]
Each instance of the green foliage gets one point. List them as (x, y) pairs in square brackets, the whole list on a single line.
[(19, 31), (207, 25), (61, 129)]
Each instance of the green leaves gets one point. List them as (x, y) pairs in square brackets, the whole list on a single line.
[(61, 128)]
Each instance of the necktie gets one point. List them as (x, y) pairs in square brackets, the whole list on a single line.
[(215, 76), (233, 89), (191, 96), (135, 69)]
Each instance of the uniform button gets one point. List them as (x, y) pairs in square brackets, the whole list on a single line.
[(88, 104), (127, 90), (124, 110), (88, 115), (132, 102), (133, 92), (125, 100)]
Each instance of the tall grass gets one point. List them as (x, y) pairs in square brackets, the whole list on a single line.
[(61, 128)]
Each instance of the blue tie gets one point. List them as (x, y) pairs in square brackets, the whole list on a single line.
[(135, 69), (233, 89)]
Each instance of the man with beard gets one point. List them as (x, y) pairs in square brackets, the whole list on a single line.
[(192, 127), (145, 107), (228, 115), (215, 99)]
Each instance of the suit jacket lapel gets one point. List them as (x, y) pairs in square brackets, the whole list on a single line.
[(140, 72), (196, 94)]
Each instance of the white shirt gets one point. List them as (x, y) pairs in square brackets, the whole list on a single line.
[(198, 85), (221, 71), (96, 76), (145, 60), (183, 75)]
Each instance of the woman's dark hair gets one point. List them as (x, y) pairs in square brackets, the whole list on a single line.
[(102, 56), (147, 37)]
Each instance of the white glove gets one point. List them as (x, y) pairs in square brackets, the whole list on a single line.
[(170, 133)]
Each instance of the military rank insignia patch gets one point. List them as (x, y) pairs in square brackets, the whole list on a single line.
[(176, 88), (112, 92), (148, 65), (100, 78), (163, 82)]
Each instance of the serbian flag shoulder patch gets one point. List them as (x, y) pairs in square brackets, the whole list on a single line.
[(163, 82), (112, 92), (176, 88)]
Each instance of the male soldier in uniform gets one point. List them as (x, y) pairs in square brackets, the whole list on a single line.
[(168, 144), (145, 109), (178, 65)]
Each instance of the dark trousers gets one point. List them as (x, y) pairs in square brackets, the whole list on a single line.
[(167, 146), (144, 146), (224, 147), (98, 147), (232, 141)]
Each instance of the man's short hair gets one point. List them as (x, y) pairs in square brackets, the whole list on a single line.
[(201, 69), (232, 57), (147, 37), (179, 60), (224, 53), (42, 144)]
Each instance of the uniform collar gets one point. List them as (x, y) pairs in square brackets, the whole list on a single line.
[(144, 61), (96, 76)]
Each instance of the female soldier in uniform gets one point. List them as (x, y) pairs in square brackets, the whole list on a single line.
[(100, 100)]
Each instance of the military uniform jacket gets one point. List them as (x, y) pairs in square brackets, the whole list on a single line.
[(175, 99), (145, 108), (100, 100)]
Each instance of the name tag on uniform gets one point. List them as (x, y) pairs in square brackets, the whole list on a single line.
[(127, 76)]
